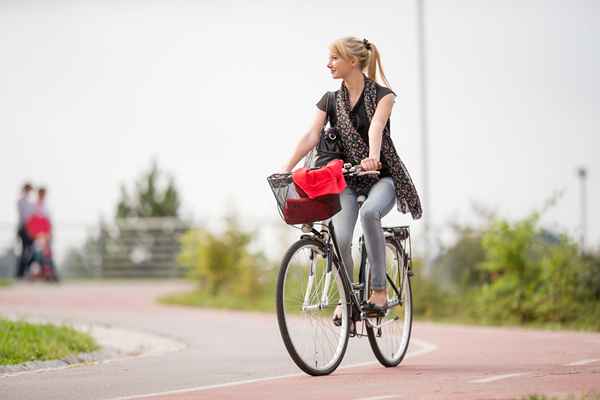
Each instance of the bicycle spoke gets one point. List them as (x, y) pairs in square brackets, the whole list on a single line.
[(312, 338)]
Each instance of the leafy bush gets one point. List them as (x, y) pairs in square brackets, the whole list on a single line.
[(223, 263), (533, 280), (512, 273)]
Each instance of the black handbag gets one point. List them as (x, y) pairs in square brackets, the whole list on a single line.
[(330, 144)]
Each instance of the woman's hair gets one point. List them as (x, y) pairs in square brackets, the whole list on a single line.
[(365, 52)]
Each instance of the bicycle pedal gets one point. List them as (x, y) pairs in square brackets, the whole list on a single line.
[(358, 286)]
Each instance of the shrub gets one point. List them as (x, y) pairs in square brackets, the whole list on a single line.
[(222, 262)]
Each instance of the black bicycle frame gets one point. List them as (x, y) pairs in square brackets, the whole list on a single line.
[(336, 257)]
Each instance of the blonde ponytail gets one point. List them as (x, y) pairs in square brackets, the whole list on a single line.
[(366, 53), (374, 63)]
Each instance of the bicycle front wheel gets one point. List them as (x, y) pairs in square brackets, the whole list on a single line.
[(307, 295), (389, 335)]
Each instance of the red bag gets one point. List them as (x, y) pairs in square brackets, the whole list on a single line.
[(314, 194), (304, 210)]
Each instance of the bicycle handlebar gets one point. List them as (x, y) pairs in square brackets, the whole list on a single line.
[(348, 170), (356, 170)]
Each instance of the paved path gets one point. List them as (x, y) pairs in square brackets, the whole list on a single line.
[(230, 355)]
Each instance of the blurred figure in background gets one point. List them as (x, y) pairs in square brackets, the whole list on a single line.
[(39, 228), (25, 208), (41, 208)]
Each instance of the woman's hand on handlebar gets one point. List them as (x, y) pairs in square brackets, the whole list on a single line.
[(356, 170), (370, 164)]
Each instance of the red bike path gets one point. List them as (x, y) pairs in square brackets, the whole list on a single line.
[(467, 363), (233, 355)]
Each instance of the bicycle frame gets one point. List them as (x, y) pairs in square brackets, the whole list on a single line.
[(334, 258)]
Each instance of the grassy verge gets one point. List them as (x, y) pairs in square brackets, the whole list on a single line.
[(586, 396), (4, 282), (21, 341), (429, 304), (197, 298)]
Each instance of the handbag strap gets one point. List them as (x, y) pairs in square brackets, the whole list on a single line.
[(328, 108)]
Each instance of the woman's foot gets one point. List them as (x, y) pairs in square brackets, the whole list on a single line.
[(337, 315), (377, 303), (378, 297)]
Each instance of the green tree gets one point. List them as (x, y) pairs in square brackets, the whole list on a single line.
[(155, 195)]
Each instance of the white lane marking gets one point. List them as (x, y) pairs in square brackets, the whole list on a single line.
[(498, 377), (391, 396), (582, 362), (426, 347)]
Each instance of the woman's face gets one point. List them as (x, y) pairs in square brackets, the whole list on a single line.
[(339, 67)]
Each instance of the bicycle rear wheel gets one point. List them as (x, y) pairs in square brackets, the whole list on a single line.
[(389, 336), (307, 295)]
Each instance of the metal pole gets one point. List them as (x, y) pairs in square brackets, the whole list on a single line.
[(582, 173), (424, 130)]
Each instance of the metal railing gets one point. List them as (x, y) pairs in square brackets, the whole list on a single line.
[(134, 247)]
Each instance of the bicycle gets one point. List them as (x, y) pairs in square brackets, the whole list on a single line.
[(313, 280)]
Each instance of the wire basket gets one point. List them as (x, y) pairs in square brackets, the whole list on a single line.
[(295, 207)]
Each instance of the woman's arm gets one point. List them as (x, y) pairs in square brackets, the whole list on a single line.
[(307, 141), (378, 122)]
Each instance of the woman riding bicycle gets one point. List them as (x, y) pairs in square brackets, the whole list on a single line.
[(361, 116)]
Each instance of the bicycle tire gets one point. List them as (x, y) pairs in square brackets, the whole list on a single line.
[(399, 355), (282, 317)]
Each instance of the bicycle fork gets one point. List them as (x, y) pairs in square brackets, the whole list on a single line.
[(324, 300)]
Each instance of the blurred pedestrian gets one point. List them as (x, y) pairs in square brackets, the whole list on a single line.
[(25, 208), (41, 208), (39, 228)]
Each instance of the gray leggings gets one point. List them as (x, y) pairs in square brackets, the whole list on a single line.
[(380, 201)]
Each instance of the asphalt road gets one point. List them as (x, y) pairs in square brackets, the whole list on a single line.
[(231, 355)]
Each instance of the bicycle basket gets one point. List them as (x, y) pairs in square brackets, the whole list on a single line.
[(294, 205)]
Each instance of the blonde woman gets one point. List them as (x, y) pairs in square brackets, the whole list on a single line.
[(361, 115)]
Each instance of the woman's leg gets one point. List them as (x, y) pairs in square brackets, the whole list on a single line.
[(380, 201), (343, 224)]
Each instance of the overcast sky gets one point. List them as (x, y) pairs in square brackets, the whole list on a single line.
[(220, 91)]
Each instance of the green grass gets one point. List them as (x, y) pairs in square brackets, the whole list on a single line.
[(585, 396), (21, 341), (198, 298), (4, 282), (427, 307), (430, 303)]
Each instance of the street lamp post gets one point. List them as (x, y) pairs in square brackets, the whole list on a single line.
[(582, 173), (424, 130)]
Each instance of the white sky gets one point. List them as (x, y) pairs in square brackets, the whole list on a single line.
[(220, 91)]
